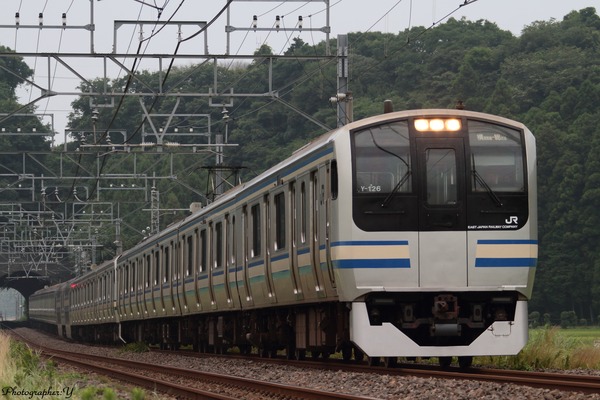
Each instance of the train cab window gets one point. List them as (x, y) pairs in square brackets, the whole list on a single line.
[(496, 158), (382, 159), (279, 221), (218, 245), (441, 176), (256, 231)]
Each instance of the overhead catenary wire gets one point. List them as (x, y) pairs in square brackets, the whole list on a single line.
[(115, 113)]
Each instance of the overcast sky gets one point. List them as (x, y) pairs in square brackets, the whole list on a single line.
[(391, 16)]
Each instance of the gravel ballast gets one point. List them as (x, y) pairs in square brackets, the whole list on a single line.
[(365, 384)]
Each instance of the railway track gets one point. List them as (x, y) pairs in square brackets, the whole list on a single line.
[(588, 384), (175, 380), (186, 383)]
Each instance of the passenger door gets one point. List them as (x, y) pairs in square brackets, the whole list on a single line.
[(442, 214)]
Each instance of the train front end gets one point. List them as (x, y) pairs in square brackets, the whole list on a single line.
[(438, 257)]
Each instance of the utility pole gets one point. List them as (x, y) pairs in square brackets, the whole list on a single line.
[(343, 98)]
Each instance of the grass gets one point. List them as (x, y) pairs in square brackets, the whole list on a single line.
[(24, 374), (553, 348)]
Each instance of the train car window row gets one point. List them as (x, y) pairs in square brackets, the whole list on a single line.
[(216, 244)]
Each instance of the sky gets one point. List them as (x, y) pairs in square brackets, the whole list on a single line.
[(389, 16)]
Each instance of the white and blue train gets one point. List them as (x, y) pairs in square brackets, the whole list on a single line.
[(410, 234)]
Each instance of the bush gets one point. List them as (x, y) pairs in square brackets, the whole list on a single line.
[(547, 321), (549, 349), (567, 319), (137, 347), (534, 319)]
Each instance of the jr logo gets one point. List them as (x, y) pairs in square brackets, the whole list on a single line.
[(512, 220)]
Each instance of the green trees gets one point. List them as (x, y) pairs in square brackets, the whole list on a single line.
[(548, 78)]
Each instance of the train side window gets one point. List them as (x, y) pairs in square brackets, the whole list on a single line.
[(334, 180), (167, 268), (256, 230), (156, 267), (303, 212), (133, 276), (233, 242), (279, 221), (126, 278), (111, 287), (218, 245), (148, 269), (190, 255), (203, 251)]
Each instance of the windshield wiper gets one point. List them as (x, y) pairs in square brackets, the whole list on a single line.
[(478, 178), (401, 182)]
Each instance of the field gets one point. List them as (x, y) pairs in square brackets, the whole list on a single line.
[(586, 336), (554, 348)]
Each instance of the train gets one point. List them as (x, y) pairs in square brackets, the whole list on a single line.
[(406, 234)]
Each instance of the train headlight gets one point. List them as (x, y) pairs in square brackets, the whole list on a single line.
[(437, 124)]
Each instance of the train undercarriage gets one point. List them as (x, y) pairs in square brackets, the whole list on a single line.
[(297, 332), (444, 324)]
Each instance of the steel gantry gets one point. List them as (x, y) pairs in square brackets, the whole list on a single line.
[(67, 203)]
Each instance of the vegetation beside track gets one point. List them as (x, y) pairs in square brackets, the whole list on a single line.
[(553, 348), (24, 374)]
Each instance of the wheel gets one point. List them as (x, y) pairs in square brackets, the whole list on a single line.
[(390, 362), (290, 352), (445, 361), (374, 361), (245, 349), (315, 354), (300, 354), (358, 355), (346, 353), (465, 361)]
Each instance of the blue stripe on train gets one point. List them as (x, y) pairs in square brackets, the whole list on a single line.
[(373, 263), (505, 262)]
